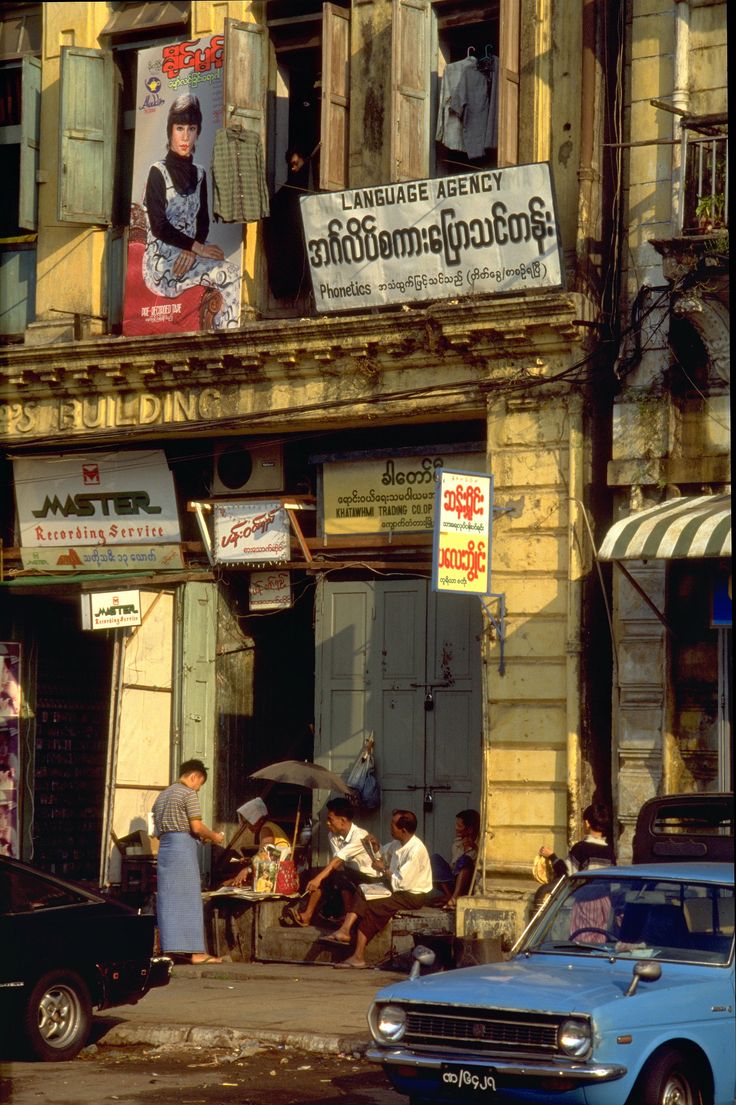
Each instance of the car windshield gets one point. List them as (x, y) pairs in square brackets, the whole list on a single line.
[(638, 918)]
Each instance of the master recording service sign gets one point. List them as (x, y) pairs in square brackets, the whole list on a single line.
[(479, 233)]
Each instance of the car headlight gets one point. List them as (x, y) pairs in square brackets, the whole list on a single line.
[(390, 1022), (574, 1038)]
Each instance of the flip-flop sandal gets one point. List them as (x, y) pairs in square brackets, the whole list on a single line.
[(345, 966), (332, 938), (296, 917)]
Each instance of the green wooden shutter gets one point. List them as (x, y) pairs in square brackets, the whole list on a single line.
[(508, 86), (198, 637), (30, 123), (410, 89), (87, 136)]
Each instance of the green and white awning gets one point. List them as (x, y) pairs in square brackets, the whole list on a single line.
[(678, 529)]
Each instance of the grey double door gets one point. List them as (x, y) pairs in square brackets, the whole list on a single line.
[(396, 659)]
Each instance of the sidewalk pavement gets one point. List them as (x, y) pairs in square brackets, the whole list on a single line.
[(238, 1005)]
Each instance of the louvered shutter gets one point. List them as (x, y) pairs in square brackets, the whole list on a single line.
[(30, 123), (410, 89), (335, 117), (508, 89), (245, 76), (87, 136)]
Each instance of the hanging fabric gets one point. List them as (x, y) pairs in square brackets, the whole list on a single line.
[(239, 189), (449, 126), (474, 103)]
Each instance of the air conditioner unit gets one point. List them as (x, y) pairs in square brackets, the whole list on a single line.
[(241, 468)]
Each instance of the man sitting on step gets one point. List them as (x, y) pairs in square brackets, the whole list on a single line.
[(350, 865)]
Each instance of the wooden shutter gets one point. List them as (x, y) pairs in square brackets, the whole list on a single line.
[(87, 136), (410, 88), (333, 166), (30, 123), (508, 87), (245, 76)]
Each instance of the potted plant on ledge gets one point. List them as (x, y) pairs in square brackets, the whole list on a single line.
[(709, 211)]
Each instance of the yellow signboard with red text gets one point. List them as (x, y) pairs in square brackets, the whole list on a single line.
[(462, 534)]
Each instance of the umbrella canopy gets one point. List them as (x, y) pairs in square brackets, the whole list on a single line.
[(300, 773)]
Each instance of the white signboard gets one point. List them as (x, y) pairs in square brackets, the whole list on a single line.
[(111, 609), (486, 232), (462, 537), (269, 590), (251, 532), (121, 498)]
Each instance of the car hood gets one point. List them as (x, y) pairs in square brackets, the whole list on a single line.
[(561, 984)]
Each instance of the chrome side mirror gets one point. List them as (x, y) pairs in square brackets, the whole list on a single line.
[(644, 972), (423, 957)]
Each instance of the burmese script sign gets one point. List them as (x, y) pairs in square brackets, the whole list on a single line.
[(120, 498), (269, 590), (487, 232), (462, 547), (392, 495), (251, 532), (104, 558)]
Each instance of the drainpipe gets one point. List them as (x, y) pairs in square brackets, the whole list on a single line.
[(575, 567), (586, 170), (681, 102)]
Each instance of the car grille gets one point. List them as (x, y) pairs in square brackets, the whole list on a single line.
[(480, 1029)]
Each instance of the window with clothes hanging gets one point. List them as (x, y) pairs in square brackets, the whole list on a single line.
[(454, 86), (20, 90)]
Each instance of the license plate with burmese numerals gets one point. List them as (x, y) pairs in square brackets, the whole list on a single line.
[(476, 1082)]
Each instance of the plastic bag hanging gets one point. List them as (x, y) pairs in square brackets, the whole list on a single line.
[(362, 778)]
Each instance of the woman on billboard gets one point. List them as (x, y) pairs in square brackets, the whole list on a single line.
[(177, 254)]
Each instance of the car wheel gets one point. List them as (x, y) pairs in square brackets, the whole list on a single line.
[(57, 1016), (669, 1079)]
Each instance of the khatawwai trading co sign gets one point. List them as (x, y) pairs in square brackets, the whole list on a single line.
[(487, 232)]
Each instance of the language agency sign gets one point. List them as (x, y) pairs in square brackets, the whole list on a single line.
[(111, 609), (462, 546), (479, 233), (121, 498)]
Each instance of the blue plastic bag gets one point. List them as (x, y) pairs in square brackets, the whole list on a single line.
[(362, 778)]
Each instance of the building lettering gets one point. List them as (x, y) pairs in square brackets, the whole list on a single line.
[(110, 412)]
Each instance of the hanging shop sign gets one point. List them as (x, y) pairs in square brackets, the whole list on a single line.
[(269, 591), (10, 708), (251, 532), (111, 609), (462, 535), (479, 233), (391, 495), (168, 288), (104, 499)]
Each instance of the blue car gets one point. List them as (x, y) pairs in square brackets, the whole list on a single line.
[(619, 992)]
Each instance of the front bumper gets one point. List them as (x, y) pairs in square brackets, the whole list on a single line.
[(528, 1072)]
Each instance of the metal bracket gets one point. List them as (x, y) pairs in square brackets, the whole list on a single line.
[(497, 621)]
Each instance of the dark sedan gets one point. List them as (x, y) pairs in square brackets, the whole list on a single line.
[(67, 951)]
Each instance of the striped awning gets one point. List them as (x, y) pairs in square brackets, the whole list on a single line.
[(680, 528)]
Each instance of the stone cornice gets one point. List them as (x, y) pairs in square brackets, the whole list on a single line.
[(487, 330)]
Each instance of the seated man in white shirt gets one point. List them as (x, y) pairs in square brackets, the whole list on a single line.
[(406, 866), (350, 864)]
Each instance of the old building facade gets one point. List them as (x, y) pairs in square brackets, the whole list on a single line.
[(502, 704)]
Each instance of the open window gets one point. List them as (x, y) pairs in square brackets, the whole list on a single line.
[(441, 125)]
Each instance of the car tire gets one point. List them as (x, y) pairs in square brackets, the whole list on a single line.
[(669, 1079), (57, 1016)]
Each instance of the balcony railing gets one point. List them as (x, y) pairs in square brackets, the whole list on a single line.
[(705, 162)]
